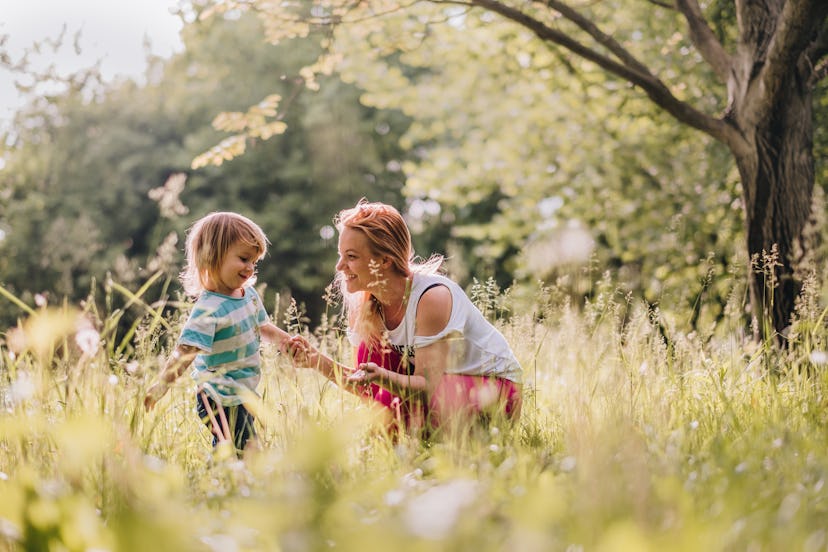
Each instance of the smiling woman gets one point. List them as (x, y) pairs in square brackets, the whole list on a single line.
[(423, 350)]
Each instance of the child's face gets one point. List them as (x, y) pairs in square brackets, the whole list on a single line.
[(238, 267)]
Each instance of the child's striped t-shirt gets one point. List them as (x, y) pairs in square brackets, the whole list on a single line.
[(226, 330)]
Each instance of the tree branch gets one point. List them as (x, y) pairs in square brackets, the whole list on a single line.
[(820, 46), (797, 25), (819, 72), (816, 53), (629, 68), (600, 37), (702, 37)]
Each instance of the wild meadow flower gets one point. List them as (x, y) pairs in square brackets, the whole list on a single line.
[(88, 340), (168, 196), (132, 367), (374, 270), (643, 368), (16, 341), (819, 357), (433, 514), (41, 332), (568, 463), (220, 542), (10, 530), (394, 497), (22, 388)]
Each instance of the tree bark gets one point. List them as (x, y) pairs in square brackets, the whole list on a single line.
[(768, 125), (771, 97), (777, 176)]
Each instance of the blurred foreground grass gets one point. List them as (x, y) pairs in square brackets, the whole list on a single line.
[(634, 436)]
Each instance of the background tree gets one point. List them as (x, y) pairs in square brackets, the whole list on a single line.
[(82, 163), (535, 196), (767, 59)]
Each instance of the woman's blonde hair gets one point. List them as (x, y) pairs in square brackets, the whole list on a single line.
[(208, 241), (388, 236)]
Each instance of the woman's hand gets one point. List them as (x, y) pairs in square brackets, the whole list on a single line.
[(367, 372)]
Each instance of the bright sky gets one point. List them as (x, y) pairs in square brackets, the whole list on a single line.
[(112, 31)]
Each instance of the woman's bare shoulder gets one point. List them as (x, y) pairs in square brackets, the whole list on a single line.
[(434, 310)]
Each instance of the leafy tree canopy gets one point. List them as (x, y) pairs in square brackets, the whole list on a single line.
[(98, 180)]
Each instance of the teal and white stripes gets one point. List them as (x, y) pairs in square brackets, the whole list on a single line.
[(226, 330)]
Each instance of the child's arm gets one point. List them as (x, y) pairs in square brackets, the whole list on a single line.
[(272, 333), (178, 362)]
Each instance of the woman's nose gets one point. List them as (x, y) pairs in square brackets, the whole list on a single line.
[(339, 264)]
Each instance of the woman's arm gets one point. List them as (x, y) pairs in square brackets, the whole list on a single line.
[(433, 313), (306, 355)]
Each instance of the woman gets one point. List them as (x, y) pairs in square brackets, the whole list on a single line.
[(424, 351)]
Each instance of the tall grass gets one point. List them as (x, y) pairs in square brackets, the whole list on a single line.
[(634, 436)]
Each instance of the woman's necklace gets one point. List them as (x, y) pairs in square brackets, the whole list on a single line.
[(400, 310)]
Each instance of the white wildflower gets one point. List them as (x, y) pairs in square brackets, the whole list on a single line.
[(22, 388), (568, 463), (819, 357), (224, 543), (433, 514), (88, 340), (642, 370), (394, 497)]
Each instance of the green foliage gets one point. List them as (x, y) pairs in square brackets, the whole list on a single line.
[(656, 199), (538, 160), (635, 435), (101, 183)]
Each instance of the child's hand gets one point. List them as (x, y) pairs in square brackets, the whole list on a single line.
[(299, 350), (154, 394)]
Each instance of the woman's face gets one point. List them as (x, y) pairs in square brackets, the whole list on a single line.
[(358, 264)]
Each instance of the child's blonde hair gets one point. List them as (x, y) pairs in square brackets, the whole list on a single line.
[(208, 241), (388, 236)]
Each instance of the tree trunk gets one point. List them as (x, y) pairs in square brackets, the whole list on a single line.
[(777, 175)]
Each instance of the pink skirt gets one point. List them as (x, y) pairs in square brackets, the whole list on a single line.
[(456, 399)]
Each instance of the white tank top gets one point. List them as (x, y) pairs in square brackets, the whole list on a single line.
[(476, 347)]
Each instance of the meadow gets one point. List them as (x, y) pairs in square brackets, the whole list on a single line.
[(635, 435)]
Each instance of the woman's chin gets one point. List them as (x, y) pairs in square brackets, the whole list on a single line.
[(351, 286)]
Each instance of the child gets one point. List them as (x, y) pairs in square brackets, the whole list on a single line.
[(223, 332)]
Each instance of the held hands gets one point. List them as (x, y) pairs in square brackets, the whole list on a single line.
[(300, 350)]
